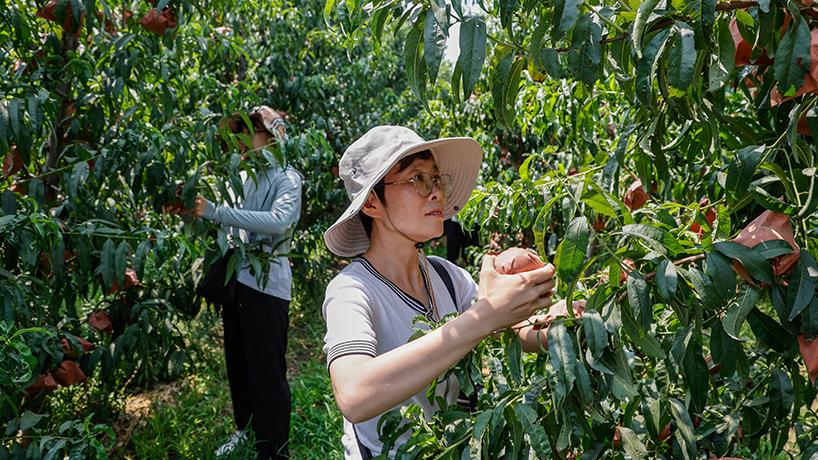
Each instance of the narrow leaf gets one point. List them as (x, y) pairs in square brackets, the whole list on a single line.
[(792, 59), (666, 280), (801, 290), (738, 310), (682, 57), (640, 301), (473, 36), (570, 255)]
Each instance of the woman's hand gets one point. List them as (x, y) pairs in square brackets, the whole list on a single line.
[(505, 300), (198, 209)]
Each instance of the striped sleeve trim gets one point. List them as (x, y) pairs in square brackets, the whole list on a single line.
[(353, 347)]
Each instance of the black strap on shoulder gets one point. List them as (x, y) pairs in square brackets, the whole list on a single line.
[(447, 280), (366, 454)]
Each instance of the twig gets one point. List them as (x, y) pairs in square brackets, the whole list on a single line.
[(607, 21)]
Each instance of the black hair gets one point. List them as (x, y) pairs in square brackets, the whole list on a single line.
[(403, 163)]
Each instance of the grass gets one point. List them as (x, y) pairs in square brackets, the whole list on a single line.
[(194, 417)]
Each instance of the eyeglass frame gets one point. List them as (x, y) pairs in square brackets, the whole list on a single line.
[(435, 183)]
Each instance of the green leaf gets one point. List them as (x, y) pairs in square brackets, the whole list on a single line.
[(139, 258), (457, 79), (724, 349), (640, 301), (738, 310), (29, 419), (666, 280), (79, 174), (642, 338), (533, 49), (724, 61), (622, 385), (499, 79), (514, 355), (697, 375), (435, 33), (682, 57), (565, 16), (507, 10), (570, 256), (781, 393), (640, 23), (550, 60), (563, 356), (107, 264), (722, 274), (792, 59), (809, 320), (595, 333), (600, 202), (122, 262), (584, 54), (415, 63), (473, 36), (631, 444), (538, 439), (658, 239), (769, 331), (741, 170), (685, 432), (801, 290), (703, 16), (756, 265), (511, 87)]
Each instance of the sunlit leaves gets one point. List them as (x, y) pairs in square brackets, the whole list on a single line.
[(435, 34), (793, 57), (682, 57), (473, 38), (584, 55), (738, 310), (571, 251), (416, 63)]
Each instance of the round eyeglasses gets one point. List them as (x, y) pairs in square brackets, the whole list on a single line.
[(423, 184)]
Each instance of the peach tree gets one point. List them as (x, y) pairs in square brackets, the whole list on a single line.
[(109, 111), (668, 169)]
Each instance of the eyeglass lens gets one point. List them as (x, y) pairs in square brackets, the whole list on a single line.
[(423, 184)]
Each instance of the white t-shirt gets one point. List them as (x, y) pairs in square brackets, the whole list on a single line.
[(367, 314)]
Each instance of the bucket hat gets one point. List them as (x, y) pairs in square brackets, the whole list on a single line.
[(368, 160), (270, 119)]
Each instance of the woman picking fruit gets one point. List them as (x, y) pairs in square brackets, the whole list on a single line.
[(402, 189)]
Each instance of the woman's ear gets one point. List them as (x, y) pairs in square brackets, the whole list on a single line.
[(372, 206)]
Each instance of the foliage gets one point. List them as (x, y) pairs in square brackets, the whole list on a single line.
[(105, 119), (658, 132)]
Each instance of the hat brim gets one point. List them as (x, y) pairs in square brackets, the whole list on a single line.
[(459, 157)]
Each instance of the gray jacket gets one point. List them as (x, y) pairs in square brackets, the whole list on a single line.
[(268, 213)]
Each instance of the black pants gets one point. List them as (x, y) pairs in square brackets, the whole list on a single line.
[(255, 342)]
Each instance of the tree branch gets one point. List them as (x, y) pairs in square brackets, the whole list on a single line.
[(735, 5)]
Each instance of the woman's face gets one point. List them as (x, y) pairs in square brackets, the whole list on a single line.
[(260, 138), (420, 218)]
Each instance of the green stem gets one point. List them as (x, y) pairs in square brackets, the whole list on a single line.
[(607, 21), (510, 45)]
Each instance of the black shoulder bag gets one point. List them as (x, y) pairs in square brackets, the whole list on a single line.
[(214, 286)]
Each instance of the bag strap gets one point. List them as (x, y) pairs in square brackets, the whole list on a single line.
[(447, 279), (366, 454)]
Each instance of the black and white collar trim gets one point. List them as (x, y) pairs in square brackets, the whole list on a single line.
[(412, 302)]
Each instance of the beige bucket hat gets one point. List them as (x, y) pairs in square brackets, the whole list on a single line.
[(368, 160)]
